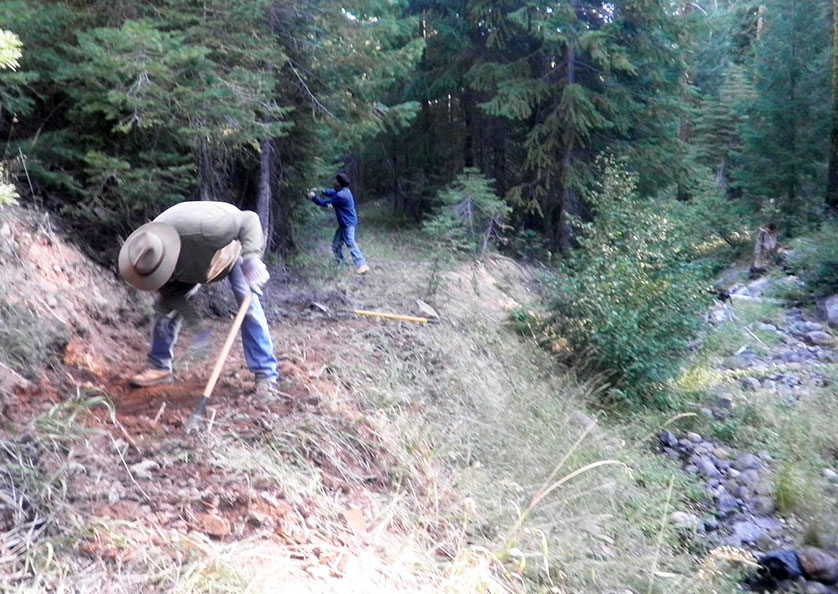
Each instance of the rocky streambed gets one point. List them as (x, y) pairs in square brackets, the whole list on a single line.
[(790, 363)]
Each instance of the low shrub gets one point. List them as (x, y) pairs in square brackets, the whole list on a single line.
[(632, 296), (815, 260)]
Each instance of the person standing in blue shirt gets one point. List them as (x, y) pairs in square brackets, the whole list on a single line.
[(341, 199)]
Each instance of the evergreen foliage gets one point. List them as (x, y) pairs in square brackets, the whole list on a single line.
[(469, 215), (787, 129), (133, 106)]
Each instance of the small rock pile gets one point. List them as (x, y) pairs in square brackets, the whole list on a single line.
[(743, 509)]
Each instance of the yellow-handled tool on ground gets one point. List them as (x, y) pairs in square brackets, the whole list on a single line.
[(390, 316), (376, 314), (196, 417)]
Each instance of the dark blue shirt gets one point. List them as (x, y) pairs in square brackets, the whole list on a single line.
[(344, 204)]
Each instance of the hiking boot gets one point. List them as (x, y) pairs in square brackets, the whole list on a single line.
[(266, 389), (362, 269), (152, 377)]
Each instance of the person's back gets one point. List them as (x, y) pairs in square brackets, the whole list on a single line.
[(341, 199)]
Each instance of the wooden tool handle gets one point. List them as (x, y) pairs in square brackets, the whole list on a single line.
[(225, 350), (389, 316)]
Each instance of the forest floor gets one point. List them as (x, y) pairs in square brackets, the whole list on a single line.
[(451, 457)]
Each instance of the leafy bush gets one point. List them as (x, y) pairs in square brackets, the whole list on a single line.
[(7, 191), (815, 260), (632, 295), (469, 215), (9, 55)]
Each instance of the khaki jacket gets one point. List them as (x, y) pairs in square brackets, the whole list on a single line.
[(213, 236)]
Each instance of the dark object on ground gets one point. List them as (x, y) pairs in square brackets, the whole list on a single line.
[(782, 565)]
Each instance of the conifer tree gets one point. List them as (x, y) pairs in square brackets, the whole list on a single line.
[(832, 174), (784, 155)]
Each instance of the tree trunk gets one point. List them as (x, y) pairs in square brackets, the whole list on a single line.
[(685, 126), (468, 147), (264, 198), (568, 196), (832, 174), (792, 189), (205, 171)]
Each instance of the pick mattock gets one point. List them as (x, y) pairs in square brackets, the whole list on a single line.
[(196, 417)]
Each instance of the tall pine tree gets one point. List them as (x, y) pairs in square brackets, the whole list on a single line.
[(785, 136)]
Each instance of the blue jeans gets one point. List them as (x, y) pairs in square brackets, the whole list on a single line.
[(346, 235), (256, 338)]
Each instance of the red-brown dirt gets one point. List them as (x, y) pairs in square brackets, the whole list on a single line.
[(137, 464)]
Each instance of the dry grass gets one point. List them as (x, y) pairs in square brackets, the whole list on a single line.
[(472, 457)]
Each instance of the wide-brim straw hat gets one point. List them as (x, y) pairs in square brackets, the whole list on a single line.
[(149, 255)]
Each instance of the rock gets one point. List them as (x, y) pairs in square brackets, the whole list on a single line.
[(747, 462), (213, 525), (751, 383), (743, 359), (770, 524), (818, 565), (829, 306), (819, 338), (142, 470), (749, 477), (782, 565), (763, 506), (791, 380), (829, 474), (742, 492), (726, 503), (766, 543), (758, 287), (425, 310), (668, 439), (582, 419), (670, 453), (719, 316), (706, 468), (320, 307), (721, 452), (789, 356), (815, 588), (724, 403), (765, 455), (684, 520), (767, 327), (805, 326), (711, 524), (746, 532), (707, 412), (694, 437)]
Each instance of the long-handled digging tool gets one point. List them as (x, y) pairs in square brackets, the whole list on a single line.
[(195, 419), (378, 314)]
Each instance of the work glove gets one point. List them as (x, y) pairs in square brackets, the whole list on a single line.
[(255, 273)]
